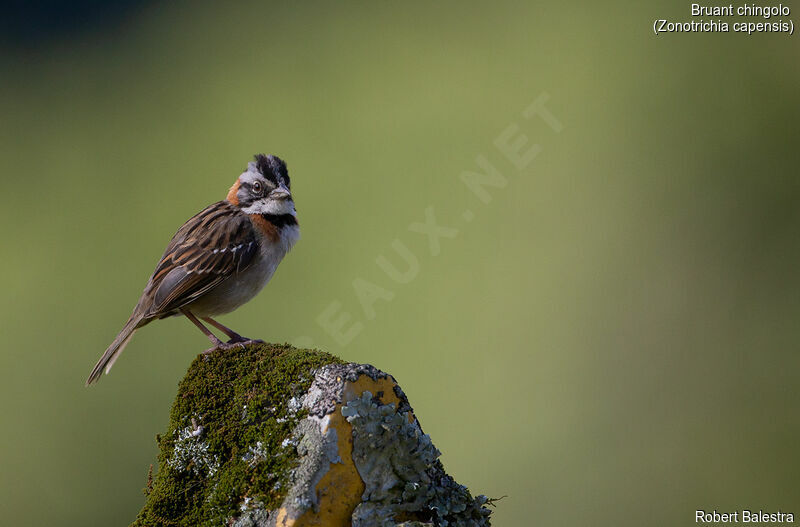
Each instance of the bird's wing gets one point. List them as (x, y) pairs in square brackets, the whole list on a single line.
[(213, 245)]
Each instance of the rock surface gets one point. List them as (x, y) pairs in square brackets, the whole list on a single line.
[(274, 436)]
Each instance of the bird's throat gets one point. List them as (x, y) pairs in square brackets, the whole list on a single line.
[(270, 225)]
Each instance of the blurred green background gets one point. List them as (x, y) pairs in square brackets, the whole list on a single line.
[(612, 340)]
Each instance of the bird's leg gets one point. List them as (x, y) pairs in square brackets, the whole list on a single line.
[(218, 344), (235, 338)]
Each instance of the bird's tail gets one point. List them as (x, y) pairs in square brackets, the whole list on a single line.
[(114, 350)]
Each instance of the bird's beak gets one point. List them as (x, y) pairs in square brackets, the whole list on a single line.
[(279, 194)]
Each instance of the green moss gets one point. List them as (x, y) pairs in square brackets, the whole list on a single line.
[(229, 436)]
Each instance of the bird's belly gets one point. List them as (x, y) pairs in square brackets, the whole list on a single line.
[(236, 290)]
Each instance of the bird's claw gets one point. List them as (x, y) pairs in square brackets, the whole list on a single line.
[(244, 340), (222, 346), (233, 343)]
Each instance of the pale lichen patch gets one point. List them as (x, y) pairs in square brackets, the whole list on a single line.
[(255, 454), (191, 453), (403, 477)]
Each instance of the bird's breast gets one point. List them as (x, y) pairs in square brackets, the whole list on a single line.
[(241, 287)]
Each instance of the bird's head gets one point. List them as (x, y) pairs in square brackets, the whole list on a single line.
[(264, 188)]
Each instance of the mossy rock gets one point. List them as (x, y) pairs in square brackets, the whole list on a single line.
[(271, 435)]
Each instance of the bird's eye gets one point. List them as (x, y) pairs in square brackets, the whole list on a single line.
[(257, 187)]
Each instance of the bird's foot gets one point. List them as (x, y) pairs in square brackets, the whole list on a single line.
[(238, 339), (240, 342), (221, 346)]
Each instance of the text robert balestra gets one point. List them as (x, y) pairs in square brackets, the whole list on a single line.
[(743, 516)]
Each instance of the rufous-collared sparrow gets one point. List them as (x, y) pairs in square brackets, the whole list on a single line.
[(219, 259)]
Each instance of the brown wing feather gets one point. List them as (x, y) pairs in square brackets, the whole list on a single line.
[(211, 246)]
